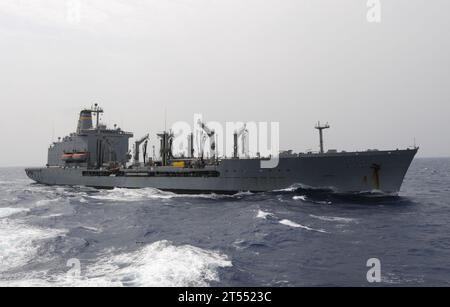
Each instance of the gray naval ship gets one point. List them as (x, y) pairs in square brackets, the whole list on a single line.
[(98, 156)]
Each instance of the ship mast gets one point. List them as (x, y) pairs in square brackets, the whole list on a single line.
[(97, 110), (321, 128)]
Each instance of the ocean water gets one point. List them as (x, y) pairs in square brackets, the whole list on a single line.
[(77, 236)]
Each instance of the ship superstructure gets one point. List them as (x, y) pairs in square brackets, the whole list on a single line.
[(91, 146)]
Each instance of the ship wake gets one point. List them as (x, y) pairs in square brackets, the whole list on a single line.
[(133, 195)]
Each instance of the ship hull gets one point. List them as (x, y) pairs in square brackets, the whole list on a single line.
[(357, 172)]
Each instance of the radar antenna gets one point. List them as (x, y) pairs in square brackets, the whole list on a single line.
[(97, 110)]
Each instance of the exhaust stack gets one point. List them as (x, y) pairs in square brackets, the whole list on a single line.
[(85, 121)]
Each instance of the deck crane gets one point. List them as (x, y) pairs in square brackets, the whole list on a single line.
[(144, 151), (166, 141), (211, 134), (243, 132), (137, 144)]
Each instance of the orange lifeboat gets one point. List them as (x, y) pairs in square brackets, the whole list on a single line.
[(80, 156), (67, 157)]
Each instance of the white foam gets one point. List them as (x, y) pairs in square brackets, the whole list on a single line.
[(240, 194), (288, 189), (52, 215), (121, 194), (17, 242), (391, 278), (333, 218), (303, 198), (130, 195), (91, 229), (299, 186), (295, 225), (263, 214), (54, 201), (164, 264), (160, 264), (5, 212)]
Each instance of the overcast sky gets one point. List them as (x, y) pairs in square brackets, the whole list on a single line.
[(291, 61)]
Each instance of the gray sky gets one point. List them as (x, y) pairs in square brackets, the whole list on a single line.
[(292, 61)]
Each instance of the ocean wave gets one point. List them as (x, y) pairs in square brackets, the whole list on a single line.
[(38, 196), (131, 195), (295, 225), (46, 202), (91, 229), (241, 194), (312, 200), (5, 212), (295, 187), (163, 264), (299, 186), (263, 214), (160, 264), (51, 216), (14, 182), (333, 218), (239, 244), (301, 197), (19, 243)]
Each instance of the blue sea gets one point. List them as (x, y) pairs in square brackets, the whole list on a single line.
[(77, 236)]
